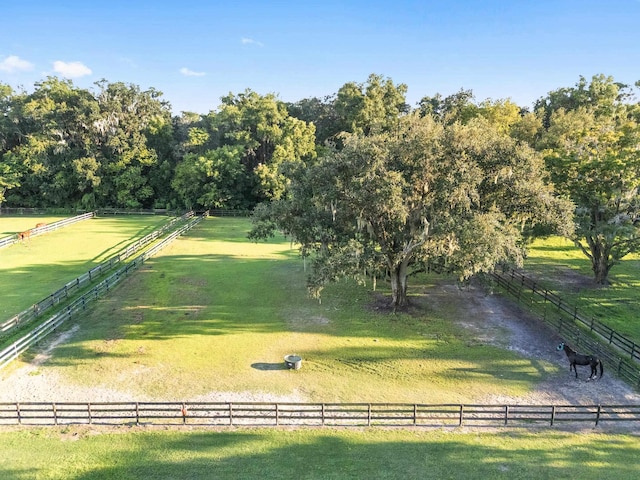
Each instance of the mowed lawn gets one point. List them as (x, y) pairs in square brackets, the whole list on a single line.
[(214, 312), (33, 269), (564, 269), (80, 453), (12, 224)]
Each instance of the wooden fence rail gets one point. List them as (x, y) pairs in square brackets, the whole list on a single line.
[(12, 351), (314, 414), (49, 227), (70, 288), (519, 282), (574, 328)]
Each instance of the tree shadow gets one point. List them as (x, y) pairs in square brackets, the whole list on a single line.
[(321, 454), (264, 366)]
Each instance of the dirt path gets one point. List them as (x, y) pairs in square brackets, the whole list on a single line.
[(497, 320)]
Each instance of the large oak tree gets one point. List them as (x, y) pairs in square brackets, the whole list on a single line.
[(429, 195), (592, 149)]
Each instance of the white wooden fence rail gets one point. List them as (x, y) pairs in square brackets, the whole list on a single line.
[(12, 351), (50, 227)]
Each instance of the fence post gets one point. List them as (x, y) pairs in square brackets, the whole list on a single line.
[(18, 413), (506, 414), (598, 414), (277, 415), (323, 414), (230, 414), (553, 414), (137, 413), (619, 365), (560, 321), (415, 413), (55, 413), (89, 413), (369, 415), (461, 415)]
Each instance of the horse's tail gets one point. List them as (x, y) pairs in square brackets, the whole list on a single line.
[(601, 367)]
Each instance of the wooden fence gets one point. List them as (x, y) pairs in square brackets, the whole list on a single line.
[(72, 287), (576, 329), (316, 414), (50, 227), (12, 351)]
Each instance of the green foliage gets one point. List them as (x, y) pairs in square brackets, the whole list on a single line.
[(74, 148), (561, 267), (591, 147), (214, 179), (263, 139), (428, 196), (373, 107)]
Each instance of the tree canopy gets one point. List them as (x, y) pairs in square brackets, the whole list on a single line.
[(591, 145), (448, 197), (356, 157)]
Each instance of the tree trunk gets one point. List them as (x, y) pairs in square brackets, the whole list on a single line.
[(399, 286), (601, 269), (600, 263)]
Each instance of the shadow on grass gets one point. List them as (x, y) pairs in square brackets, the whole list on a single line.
[(373, 454), (269, 366), (178, 296)]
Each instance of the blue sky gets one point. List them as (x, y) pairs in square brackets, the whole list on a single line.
[(196, 51)]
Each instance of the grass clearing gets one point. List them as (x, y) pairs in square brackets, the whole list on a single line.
[(564, 269), (32, 270), (12, 224), (82, 453), (213, 312), (216, 313)]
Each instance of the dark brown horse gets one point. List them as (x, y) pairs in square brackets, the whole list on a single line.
[(581, 359)]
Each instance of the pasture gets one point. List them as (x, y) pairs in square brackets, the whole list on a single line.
[(211, 317), (563, 268), (85, 454), (12, 224), (214, 314), (33, 269)]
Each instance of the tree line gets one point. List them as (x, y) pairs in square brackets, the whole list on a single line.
[(367, 183)]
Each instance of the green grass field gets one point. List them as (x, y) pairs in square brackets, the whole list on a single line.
[(564, 269), (83, 454), (32, 270), (12, 224), (214, 312)]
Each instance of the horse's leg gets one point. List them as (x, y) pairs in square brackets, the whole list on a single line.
[(573, 365)]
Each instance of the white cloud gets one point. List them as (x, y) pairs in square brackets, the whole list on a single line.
[(71, 69), (251, 41), (13, 64), (190, 73)]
